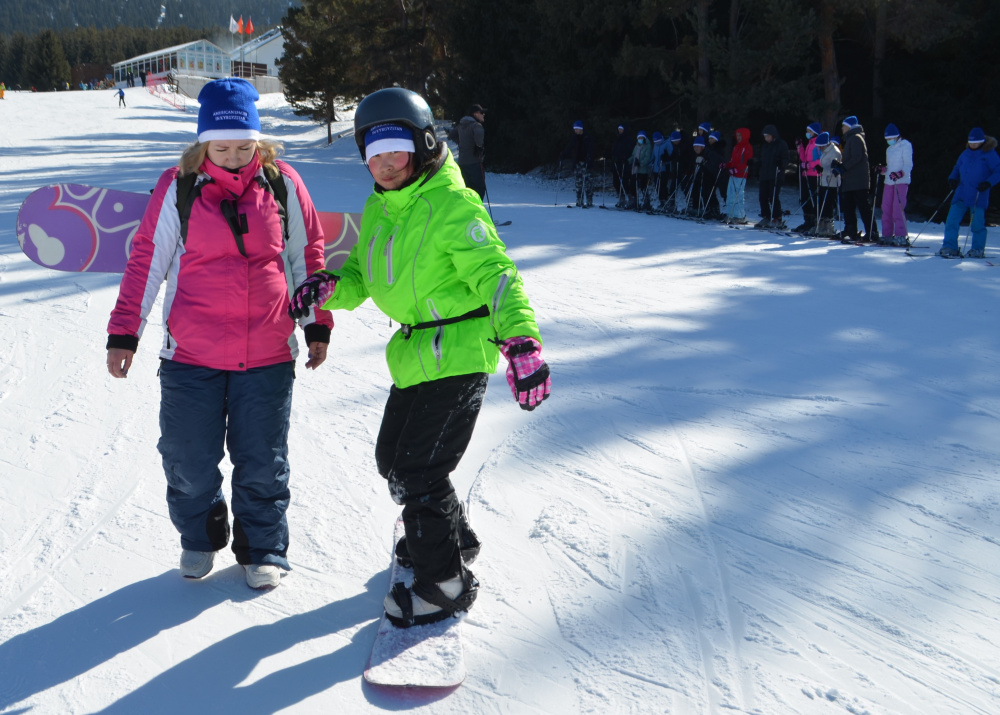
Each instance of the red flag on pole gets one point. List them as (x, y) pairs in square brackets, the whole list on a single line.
[(249, 26), (239, 25)]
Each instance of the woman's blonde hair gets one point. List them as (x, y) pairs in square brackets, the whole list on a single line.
[(267, 151)]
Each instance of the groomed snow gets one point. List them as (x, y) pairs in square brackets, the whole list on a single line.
[(766, 481)]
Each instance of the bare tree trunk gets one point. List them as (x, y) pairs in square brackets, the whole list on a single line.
[(881, 18), (734, 31), (704, 68), (828, 65)]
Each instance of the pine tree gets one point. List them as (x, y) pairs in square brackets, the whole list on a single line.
[(48, 68)]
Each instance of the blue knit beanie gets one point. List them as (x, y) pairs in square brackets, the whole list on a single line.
[(675, 135), (228, 110), (891, 131), (578, 124), (815, 128), (850, 121), (657, 138), (977, 136), (715, 135), (822, 139), (383, 138), (699, 141), (705, 127), (641, 135)]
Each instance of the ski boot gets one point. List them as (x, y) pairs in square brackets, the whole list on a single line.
[(948, 252), (976, 253)]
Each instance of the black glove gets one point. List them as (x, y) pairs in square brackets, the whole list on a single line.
[(819, 168), (315, 290), (837, 164), (953, 183), (984, 186)]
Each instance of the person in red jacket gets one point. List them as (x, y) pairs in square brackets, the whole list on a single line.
[(736, 211), (808, 178), (228, 353)]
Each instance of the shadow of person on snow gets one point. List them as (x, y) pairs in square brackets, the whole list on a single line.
[(76, 642)]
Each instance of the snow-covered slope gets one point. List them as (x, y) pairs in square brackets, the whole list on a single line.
[(766, 481)]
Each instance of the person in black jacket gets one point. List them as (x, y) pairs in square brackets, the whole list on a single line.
[(679, 171), (580, 152), (855, 182), (707, 168), (620, 153), (773, 160)]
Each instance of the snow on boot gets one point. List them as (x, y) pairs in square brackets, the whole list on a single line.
[(195, 564), (886, 240), (763, 223), (262, 576), (976, 253), (947, 252), (903, 241), (468, 543), (419, 604), (777, 223)]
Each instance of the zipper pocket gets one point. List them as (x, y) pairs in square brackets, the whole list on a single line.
[(438, 334), (388, 258), (371, 254)]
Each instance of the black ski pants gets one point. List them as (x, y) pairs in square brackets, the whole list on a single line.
[(474, 177), (854, 203), (770, 199), (425, 431)]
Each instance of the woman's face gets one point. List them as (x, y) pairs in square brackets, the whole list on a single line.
[(231, 153), (391, 169)]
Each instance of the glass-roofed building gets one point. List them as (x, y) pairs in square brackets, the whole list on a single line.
[(200, 58)]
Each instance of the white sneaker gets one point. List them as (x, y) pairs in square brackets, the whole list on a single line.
[(263, 576), (195, 564)]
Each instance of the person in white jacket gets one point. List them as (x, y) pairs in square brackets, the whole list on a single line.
[(897, 171)]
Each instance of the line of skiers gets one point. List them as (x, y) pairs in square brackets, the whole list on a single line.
[(700, 179)]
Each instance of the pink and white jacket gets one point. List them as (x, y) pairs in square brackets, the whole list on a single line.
[(806, 161), (225, 306)]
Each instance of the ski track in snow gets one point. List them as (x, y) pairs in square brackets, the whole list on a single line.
[(765, 482)]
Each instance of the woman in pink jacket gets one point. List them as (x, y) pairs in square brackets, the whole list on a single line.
[(228, 352), (808, 178)]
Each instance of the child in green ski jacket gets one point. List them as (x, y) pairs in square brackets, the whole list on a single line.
[(429, 257)]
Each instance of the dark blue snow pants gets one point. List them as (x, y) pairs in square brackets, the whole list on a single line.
[(203, 411)]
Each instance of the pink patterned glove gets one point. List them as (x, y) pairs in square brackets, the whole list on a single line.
[(315, 290), (527, 373), (896, 175)]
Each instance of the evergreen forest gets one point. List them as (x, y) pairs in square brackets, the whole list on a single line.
[(539, 65)]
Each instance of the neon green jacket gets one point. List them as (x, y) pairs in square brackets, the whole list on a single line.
[(427, 252)]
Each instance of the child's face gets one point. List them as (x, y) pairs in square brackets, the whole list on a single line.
[(231, 153), (391, 169)]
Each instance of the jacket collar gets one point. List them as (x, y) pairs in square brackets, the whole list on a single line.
[(236, 182)]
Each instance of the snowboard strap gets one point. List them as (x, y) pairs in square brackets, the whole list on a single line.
[(401, 595)]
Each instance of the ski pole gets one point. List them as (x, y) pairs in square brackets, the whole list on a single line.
[(604, 181), (558, 179), (972, 220), (871, 223), (486, 192), (931, 219), (774, 192)]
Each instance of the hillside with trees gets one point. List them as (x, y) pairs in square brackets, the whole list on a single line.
[(32, 16)]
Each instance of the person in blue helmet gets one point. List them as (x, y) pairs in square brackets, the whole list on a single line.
[(976, 172)]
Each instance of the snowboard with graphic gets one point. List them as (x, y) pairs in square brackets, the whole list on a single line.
[(428, 656), (72, 227)]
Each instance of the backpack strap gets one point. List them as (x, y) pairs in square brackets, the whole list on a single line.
[(188, 189), (276, 187)]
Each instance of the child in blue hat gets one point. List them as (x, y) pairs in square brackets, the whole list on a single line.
[(897, 170)]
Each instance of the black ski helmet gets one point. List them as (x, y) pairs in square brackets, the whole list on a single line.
[(399, 106)]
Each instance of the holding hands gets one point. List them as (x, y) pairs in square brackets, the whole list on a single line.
[(315, 290)]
